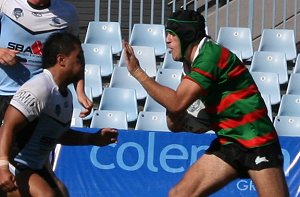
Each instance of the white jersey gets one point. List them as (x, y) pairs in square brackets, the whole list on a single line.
[(49, 114), (25, 29)]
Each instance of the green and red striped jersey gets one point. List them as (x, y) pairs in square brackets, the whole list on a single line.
[(232, 99)]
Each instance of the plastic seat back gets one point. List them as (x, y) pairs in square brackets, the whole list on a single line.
[(280, 40), (146, 57), (120, 99), (100, 55), (268, 83), (121, 78), (267, 100), (170, 63), (152, 35), (169, 77), (293, 86), (92, 77), (236, 39), (268, 61), (152, 121), (287, 125), (109, 119), (107, 33), (289, 105), (152, 105), (297, 65), (76, 120)]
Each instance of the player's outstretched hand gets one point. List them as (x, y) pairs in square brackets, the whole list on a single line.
[(130, 58), (106, 136)]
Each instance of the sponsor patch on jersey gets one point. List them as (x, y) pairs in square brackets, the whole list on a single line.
[(18, 12)]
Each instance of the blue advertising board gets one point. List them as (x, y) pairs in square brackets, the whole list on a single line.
[(144, 164)]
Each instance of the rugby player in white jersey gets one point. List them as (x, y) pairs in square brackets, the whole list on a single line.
[(39, 117)]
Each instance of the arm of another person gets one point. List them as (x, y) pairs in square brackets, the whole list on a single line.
[(8, 57), (14, 121), (102, 137), (175, 101), (73, 28), (83, 98)]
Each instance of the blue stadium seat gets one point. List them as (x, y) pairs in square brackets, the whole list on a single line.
[(237, 39), (170, 63), (120, 99), (287, 125), (268, 83), (121, 78), (169, 77), (152, 121), (146, 57), (76, 120), (106, 33), (289, 105), (92, 77), (297, 65), (100, 55), (267, 100), (152, 35), (269, 61), (293, 86), (152, 105), (279, 40), (109, 119)]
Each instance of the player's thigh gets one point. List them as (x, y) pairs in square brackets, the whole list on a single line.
[(205, 176), (32, 184), (270, 182)]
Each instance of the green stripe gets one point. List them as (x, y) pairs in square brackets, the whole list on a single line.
[(181, 21)]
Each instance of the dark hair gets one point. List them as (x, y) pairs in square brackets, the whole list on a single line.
[(58, 43)]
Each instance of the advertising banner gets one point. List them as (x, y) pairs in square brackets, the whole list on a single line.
[(147, 164)]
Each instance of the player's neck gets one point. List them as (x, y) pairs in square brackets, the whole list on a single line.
[(39, 4)]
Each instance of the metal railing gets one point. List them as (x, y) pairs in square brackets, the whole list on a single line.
[(255, 14)]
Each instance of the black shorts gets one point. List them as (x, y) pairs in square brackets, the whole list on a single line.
[(24, 172), (243, 159)]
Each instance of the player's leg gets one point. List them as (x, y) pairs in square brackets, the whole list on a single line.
[(270, 182), (266, 170), (205, 176), (33, 184)]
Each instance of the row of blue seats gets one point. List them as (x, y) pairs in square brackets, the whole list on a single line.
[(237, 39)]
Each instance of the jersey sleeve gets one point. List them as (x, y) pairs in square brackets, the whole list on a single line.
[(30, 101)]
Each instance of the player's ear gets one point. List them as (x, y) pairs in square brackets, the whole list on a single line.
[(60, 59)]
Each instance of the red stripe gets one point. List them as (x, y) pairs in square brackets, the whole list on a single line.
[(206, 74), (232, 123), (255, 142), (232, 98), (238, 70), (225, 54)]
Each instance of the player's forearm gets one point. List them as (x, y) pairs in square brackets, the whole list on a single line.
[(79, 87), (75, 138), (167, 97), (6, 139)]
